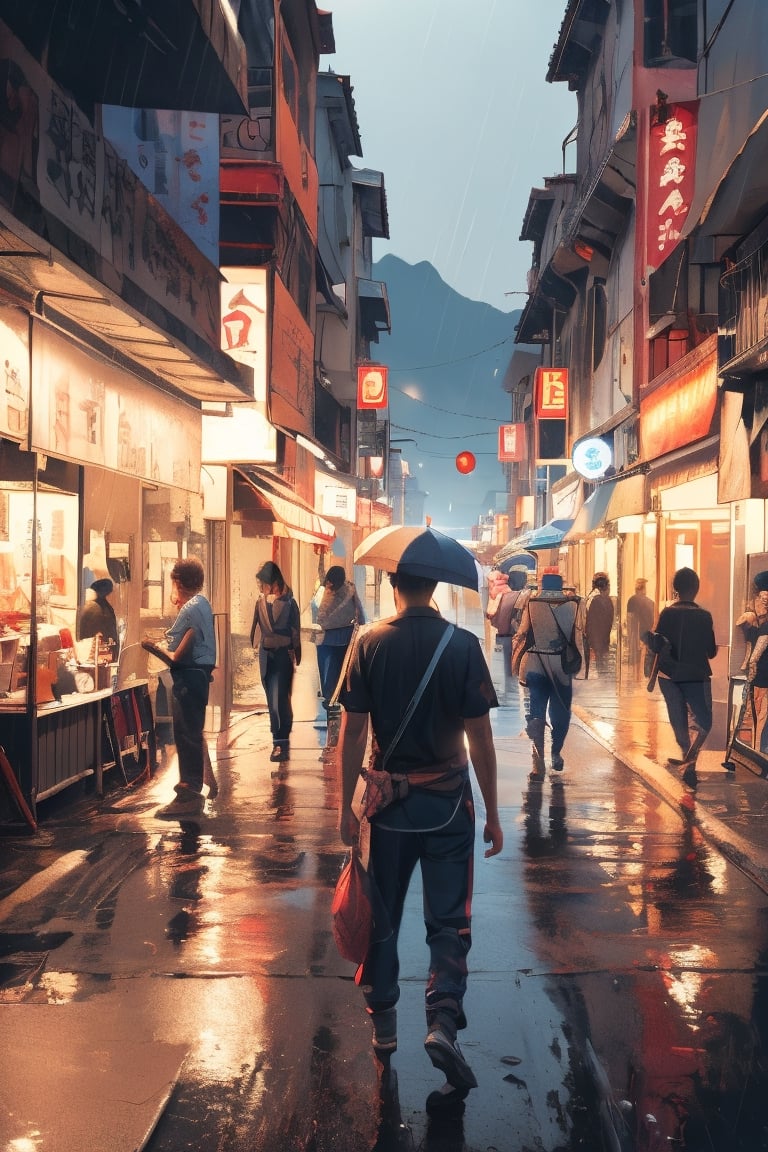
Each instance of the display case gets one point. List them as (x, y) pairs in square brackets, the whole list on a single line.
[(52, 687)]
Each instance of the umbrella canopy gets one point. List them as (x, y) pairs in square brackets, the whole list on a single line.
[(517, 560), (548, 536), (419, 552)]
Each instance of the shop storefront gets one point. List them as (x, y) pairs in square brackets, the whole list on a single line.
[(99, 481)]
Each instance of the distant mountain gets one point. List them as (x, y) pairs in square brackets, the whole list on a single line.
[(447, 356)]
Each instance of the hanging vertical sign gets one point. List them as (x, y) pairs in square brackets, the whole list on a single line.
[(372, 386), (671, 179), (551, 393), (511, 442)]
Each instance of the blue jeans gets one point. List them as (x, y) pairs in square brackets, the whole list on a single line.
[(542, 694), (445, 855), (277, 678), (330, 658), (689, 707)]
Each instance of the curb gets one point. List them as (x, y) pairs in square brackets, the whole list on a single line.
[(733, 846)]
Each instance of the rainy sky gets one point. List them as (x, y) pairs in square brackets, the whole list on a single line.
[(454, 108)]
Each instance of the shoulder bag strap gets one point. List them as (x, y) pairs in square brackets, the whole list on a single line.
[(419, 691), (559, 628)]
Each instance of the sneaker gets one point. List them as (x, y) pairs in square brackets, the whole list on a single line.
[(557, 763), (384, 1038), (447, 1101), (447, 1056), (279, 752), (182, 807)]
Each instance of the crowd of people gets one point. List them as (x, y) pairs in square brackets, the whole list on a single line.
[(416, 693)]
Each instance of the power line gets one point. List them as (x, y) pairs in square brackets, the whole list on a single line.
[(439, 435), (448, 411), (459, 360)]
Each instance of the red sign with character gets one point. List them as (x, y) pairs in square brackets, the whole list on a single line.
[(511, 442), (551, 386), (372, 386), (671, 179)]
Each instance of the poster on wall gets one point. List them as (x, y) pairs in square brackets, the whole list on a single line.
[(176, 157), (93, 413), (14, 377)]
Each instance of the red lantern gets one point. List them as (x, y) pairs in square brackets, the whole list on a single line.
[(465, 463)]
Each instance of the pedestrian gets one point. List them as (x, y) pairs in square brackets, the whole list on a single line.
[(505, 618), (434, 824), (547, 624), (684, 643), (640, 612), (754, 625), (338, 612), (598, 622), (98, 616), (276, 632), (191, 656)]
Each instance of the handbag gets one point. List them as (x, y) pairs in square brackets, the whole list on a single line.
[(570, 657), (352, 910), (381, 788)]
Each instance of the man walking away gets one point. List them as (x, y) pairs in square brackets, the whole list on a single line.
[(598, 622), (549, 620), (684, 641), (434, 824)]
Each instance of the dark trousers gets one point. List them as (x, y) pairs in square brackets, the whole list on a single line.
[(689, 707), (330, 660), (189, 700), (541, 695), (445, 855), (277, 678)]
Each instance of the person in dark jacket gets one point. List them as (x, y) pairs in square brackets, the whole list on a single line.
[(98, 616), (276, 632), (684, 640)]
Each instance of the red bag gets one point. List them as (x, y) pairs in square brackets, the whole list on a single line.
[(352, 910)]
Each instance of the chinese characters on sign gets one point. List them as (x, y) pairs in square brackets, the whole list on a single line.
[(372, 386), (671, 177), (551, 385), (511, 442)]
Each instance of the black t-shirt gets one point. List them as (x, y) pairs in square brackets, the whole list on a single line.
[(386, 668), (691, 634)]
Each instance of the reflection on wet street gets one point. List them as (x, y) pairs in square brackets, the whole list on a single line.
[(617, 974)]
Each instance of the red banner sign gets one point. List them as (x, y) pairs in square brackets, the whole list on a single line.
[(511, 442), (551, 388), (372, 386), (671, 178)]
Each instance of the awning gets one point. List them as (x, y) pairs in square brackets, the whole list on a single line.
[(591, 515), (293, 517), (550, 535), (619, 496), (373, 303)]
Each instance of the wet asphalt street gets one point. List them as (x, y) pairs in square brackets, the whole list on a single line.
[(169, 990)]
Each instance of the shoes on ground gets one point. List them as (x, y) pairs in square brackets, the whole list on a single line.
[(557, 763), (689, 775), (447, 1101), (279, 752), (537, 762), (446, 1055), (672, 762), (183, 806), (384, 1039)]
